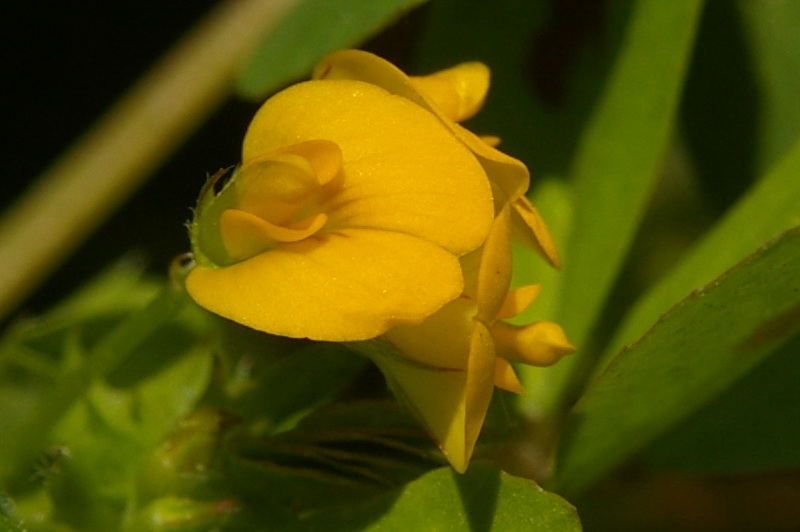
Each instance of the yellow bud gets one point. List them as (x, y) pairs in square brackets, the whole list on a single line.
[(542, 343)]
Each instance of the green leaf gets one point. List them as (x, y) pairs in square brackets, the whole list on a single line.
[(182, 514), (766, 210), (9, 522), (774, 43), (274, 394), (482, 499), (750, 428), (366, 466), (694, 352), (156, 402), (375, 441), (620, 157), (119, 289), (309, 31), (47, 363), (9, 525), (108, 434), (94, 309), (79, 367), (288, 485), (336, 456), (741, 114)]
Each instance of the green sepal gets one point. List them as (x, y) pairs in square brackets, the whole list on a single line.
[(204, 232)]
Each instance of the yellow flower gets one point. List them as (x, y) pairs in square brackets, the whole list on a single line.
[(449, 365), (347, 217), (362, 209)]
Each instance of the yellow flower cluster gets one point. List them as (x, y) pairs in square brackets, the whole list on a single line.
[(363, 209)]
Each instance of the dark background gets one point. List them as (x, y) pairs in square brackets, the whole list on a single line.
[(65, 64)]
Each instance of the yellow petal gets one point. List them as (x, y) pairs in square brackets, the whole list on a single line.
[(245, 235), (442, 340), (510, 175), (459, 91), (436, 399), (506, 378), (364, 66), (441, 92), (349, 285), (403, 169), (273, 188), (480, 385), (324, 156), (494, 275), (518, 300), (531, 229), (451, 405), (542, 343), (471, 267), (491, 140)]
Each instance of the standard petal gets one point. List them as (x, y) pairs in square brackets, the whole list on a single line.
[(509, 174), (349, 285), (404, 171)]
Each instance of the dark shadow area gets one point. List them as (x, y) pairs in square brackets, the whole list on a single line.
[(720, 107), (479, 488), (572, 25)]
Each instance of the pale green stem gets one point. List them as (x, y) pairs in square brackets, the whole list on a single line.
[(103, 168)]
